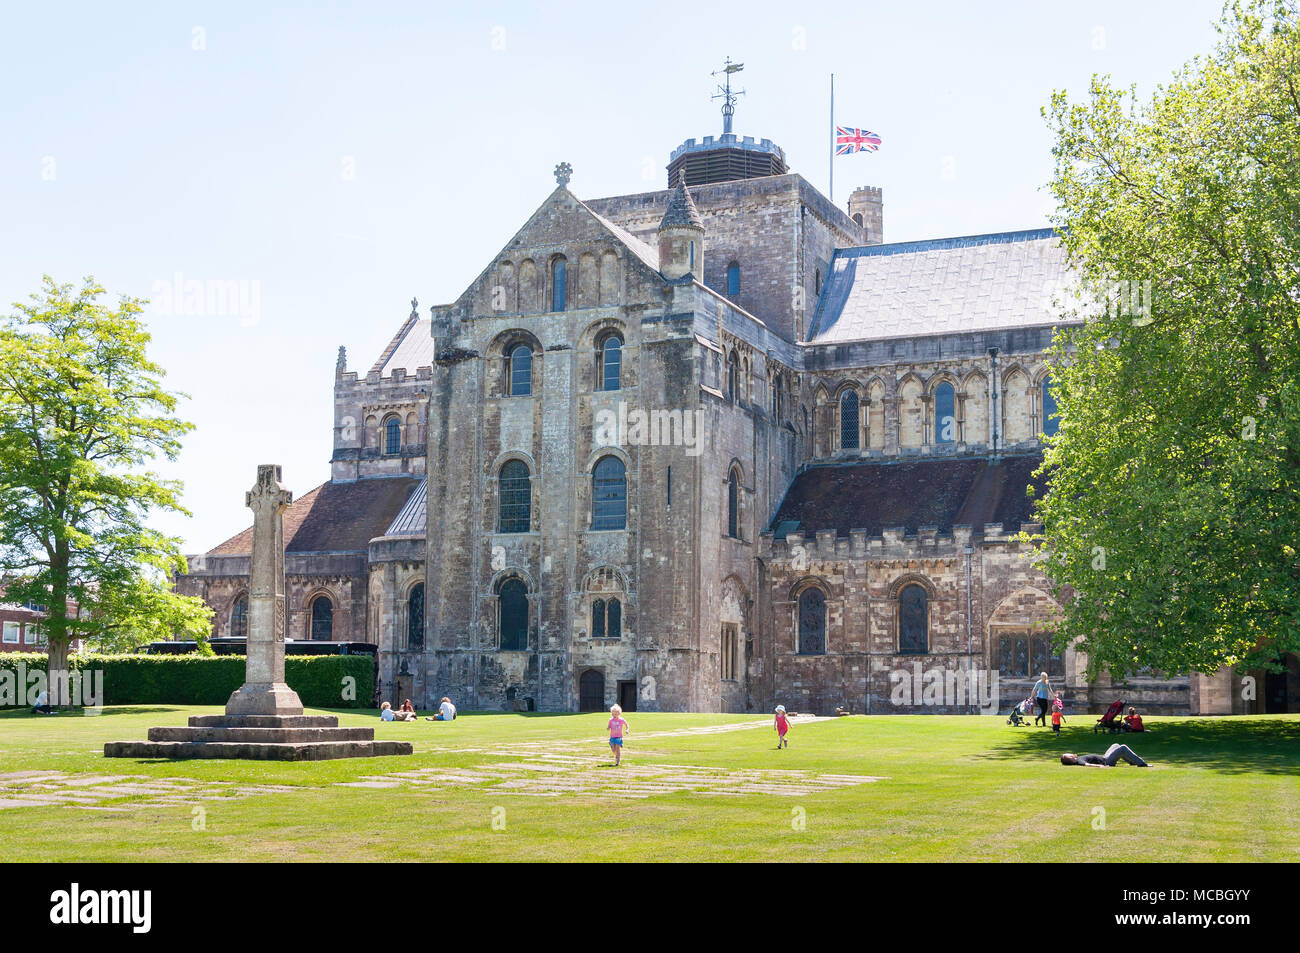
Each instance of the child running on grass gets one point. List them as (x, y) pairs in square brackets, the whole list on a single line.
[(617, 727), (782, 724), (1057, 718)]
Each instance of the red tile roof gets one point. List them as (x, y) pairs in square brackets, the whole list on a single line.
[(334, 517)]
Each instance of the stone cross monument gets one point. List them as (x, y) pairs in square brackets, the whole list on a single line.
[(264, 691)]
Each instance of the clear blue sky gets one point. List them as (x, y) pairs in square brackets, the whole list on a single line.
[(215, 141)]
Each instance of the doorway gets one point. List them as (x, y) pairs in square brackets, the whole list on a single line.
[(627, 695), (591, 690), (402, 686), (1282, 689)]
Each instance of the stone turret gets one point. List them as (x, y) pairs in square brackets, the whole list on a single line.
[(681, 236), (867, 209)]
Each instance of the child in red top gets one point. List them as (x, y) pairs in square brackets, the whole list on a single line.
[(1057, 718), (782, 726), (1133, 721), (617, 728)]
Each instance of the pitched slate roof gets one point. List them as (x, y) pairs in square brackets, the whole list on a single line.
[(410, 348), (648, 255), (979, 282), (334, 517), (938, 492), (412, 520), (681, 209)]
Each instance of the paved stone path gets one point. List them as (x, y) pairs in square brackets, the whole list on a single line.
[(546, 746), (542, 769), (558, 775), (91, 791)]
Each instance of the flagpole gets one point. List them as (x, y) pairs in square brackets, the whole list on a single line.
[(831, 157)]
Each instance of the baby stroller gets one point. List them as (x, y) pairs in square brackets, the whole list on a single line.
[(1110, 721), (1018, 713)]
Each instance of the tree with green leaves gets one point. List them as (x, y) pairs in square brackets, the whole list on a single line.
[(1172, 521), (82, 413)]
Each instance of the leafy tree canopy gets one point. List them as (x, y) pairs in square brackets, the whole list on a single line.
[(82, 414), (1173, 516)]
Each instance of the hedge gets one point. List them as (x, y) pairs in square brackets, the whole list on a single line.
[(210, 680)]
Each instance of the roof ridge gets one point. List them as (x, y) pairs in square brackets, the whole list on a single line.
[(955, 241), (412, 320)]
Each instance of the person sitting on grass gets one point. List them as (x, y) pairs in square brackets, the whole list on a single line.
[(1114, 754), (1133, 721), (386, 712), (617, 728), (446, 711), (43, 706), (406, 712)]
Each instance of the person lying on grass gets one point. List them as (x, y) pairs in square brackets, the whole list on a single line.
[(1114, 754)]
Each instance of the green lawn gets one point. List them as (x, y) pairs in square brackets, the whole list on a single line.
[(959, 788)]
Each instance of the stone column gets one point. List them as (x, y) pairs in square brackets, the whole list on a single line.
[(264, 691)]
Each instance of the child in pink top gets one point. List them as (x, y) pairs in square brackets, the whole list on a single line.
[(782, 726), (617, 728)]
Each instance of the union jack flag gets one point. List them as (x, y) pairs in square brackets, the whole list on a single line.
[(849, 140)]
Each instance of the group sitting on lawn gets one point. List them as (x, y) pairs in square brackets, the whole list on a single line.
[(405, 713)]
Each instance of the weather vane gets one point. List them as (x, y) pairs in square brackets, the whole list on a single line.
[(727, 94)]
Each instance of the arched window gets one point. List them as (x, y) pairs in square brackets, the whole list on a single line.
[(777, 398), (239, 618), (733, 278), (392, 435), (559, 281), (812, 622), (692, 256), (415, 617), (913, 620), (945, 414), (606, 619), (857, 217), (614, 627), (1051, 413), (519, 367), (611, 362), (733, 505), (609, 494), (322, 619), (733, 376), (515, 498), (849, 420), (512, 615)]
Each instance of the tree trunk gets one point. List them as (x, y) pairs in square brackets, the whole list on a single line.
[(57, 672)]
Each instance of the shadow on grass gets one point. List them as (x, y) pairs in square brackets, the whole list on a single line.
[(26, 713), (1227, 745)]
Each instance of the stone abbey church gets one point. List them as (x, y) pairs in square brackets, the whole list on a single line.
[(712, 448)]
